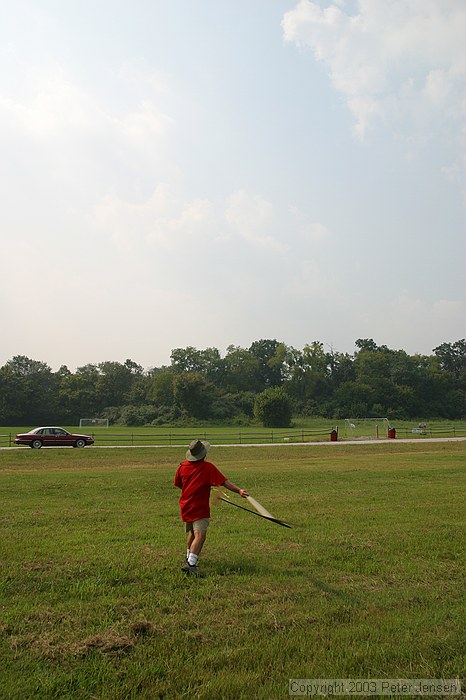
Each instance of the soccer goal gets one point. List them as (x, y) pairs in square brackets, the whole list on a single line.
[(93, 422), (366, 428)]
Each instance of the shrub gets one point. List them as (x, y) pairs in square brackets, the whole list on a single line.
[(272, 407)]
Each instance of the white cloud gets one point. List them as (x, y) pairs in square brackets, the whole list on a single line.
[(312, 282), (437, 87), (162, 221), (146, 121), (139, 159), (372, 56), (316, 232), (253, 218), (53, 104), (189, 220), (57, 103), (167, 222), (311, 231), (78, 137), (451, 172)]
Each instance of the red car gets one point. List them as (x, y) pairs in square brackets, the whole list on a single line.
[(52, 437)]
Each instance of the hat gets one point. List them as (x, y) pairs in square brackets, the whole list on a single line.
[(197, 450)]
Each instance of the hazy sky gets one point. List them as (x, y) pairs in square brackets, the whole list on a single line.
[(209, 172)]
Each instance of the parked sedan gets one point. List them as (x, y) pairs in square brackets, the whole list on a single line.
[(52, 437)]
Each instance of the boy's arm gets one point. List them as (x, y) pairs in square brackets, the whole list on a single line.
[(232, 487)]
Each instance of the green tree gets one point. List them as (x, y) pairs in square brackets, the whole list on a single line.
[(207, 362), (163, 387), (241, 370), (194, 394), (271, 356), (77, 397), (452, 358), (140, 390), (369, 345), (28, 391), (114, 382), (272, 407), (341, 368), (186, 360), (353, 400), (309, 377), (10, 399)]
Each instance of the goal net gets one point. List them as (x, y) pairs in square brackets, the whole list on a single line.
[(361, 428), (93, 422)]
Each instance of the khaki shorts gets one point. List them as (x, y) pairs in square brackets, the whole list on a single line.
[(199, 525)]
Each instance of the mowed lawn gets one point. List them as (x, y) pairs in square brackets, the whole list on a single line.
[(368, 584)]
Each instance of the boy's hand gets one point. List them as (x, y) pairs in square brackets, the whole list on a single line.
[(236, 489)]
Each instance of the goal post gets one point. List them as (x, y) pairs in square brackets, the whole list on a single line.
[(361, 428), (93, 422)]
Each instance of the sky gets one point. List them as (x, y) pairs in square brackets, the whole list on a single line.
[(209, 173)]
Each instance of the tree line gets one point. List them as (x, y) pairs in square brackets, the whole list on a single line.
[(267, 382)]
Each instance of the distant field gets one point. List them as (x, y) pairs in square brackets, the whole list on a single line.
[(369, 583), (313, 430), (167, 435)]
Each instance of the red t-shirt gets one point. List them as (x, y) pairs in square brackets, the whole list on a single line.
[(195, 479)]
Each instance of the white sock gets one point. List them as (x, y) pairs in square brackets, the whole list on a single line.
[(192, 559), (187, 554)]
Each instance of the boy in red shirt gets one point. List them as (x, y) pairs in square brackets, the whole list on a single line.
[(195, 477)]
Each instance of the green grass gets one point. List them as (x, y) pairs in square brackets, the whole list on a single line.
[(317, 429), (369, 583), (309, 430)]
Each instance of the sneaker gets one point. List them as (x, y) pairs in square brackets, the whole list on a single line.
[(191, 569)]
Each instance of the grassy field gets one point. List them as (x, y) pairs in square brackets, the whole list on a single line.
[(310, 430), (176, 436), (369, 582)]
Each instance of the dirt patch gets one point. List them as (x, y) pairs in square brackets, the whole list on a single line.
[(111, 643)]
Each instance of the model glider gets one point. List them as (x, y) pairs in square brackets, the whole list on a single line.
[(260, 511)]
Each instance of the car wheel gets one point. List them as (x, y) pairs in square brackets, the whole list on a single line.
[(80, 443), (36, 444)]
